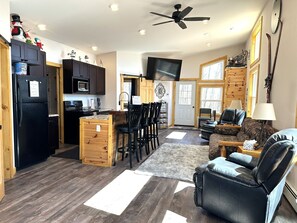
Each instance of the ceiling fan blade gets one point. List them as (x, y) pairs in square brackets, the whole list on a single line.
[(162, 23), (182, 25), (196, 18), (166, 16), (185, 12)]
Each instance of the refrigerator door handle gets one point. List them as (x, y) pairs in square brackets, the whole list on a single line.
[(20, 105)]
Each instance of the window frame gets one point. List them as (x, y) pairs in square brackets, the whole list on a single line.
[(256, 30), (224, 58), (255, 69)]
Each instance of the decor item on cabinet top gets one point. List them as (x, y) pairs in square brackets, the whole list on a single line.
[(17, 31), (86, 58), (38, 43), (238, 61), (160, 90), (28, 38), (72, 54)]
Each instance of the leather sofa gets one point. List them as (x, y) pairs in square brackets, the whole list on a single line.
[(227, 117), (246, 189), (250, 129)]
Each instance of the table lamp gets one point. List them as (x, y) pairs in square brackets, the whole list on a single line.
[(236, 105), (263, 112)]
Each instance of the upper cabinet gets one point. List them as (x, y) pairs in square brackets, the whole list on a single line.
[(76, 72), (23, 52), (76, 68), (41, 69), (97, 80)]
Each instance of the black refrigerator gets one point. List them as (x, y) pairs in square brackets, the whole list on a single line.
[(30, 110)]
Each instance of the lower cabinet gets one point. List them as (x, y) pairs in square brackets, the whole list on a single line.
[(53, 134)]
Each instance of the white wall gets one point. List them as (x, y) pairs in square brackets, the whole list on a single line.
[(284, 90), (191, 64), (56, 52), (109, 61), (5, 19)]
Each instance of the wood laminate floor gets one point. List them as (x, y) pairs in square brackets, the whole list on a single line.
[(55, 190)]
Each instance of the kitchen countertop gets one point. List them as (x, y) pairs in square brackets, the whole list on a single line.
[(96, 117)]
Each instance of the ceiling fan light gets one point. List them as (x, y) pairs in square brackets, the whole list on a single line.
[(114, 7), (205, 21)]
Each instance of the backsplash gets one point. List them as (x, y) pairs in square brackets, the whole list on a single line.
[(82, 97)]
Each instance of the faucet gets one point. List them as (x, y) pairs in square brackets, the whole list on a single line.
[(123, 92)]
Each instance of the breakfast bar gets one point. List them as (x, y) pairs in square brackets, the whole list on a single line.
[(97, 138)]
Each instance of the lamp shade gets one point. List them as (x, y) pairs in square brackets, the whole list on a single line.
[(264, 111), (236, 104)]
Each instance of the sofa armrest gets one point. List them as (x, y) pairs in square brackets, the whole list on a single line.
[(223, 144), (227, 129), (243, 159)]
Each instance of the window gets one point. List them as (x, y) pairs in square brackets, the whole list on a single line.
[(185, 94), (256, 42), (211, 97), (213, 70), (253, 90)]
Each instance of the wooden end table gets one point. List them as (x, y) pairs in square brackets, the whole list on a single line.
[(254, 153)]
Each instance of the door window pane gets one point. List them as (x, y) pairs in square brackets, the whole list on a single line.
[(185, 94)]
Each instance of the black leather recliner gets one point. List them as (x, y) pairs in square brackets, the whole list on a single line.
[(246, 189), (227, 117)]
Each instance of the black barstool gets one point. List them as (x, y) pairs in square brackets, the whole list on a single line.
[(143, 131), (131, 128), (157, 121), (150, 136)]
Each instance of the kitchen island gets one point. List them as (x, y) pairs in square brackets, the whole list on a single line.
[(98, 138)]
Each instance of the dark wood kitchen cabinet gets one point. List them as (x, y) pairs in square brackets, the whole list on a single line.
[(76, 68), (53, 134), (97, 80), (23, 52), (41, 69)]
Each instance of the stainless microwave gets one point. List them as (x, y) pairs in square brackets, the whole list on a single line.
[(81, 85)]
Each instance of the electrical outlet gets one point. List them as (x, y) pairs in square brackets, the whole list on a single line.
[(98, 128)]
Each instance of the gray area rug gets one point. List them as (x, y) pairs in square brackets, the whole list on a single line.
[(177, 161)]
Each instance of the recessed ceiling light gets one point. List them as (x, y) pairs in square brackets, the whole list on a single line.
[(41, 27), (205, 21), (141, 32), (208, 44), (95, 48), (114, 7)]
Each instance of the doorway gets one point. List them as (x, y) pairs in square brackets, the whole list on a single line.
[(52, 74), (185, 103)]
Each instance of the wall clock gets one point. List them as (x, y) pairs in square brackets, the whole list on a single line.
[(160, 90), (276, 14)]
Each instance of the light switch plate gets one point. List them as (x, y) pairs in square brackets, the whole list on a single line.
[(98, 128)]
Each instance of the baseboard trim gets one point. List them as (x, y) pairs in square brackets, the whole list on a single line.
[(291, 194)]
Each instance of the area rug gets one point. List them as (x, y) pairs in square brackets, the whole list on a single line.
[(176, 135), (117, 195), (69, 154), (177, 161)]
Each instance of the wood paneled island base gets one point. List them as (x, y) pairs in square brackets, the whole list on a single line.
[(98, 138)]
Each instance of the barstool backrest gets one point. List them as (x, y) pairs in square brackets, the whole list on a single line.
[(152, 112), (145, 114), (157, 111), (134, 116)]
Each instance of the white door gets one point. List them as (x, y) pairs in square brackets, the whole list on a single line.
[(185, 103)]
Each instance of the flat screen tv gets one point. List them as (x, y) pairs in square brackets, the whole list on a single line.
[(163, 69)]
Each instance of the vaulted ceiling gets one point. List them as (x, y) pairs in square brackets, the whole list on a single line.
[(82, 24)]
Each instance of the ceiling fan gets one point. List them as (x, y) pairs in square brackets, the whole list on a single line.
[(179, 16)]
